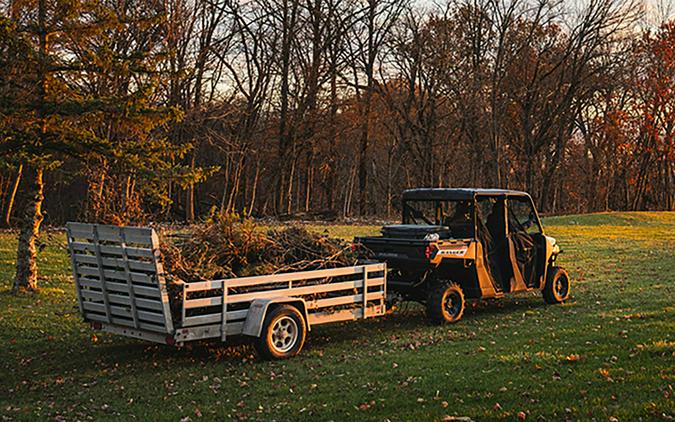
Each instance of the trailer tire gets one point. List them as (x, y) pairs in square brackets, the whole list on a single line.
[(445, 303), (557, 287), (283, 333)]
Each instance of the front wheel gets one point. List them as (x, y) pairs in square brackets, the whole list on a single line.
[(283, 333), (445, 303), (557, 287)]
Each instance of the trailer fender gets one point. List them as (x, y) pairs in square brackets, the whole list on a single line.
[(255, 318)]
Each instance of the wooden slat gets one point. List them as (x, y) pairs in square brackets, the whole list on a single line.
[(85, 259), (80, 230), (113, 249), (131, 251), (140, 235), (122, 300), (142, 266), (213, 318), (342, 315), (124, 312), (292, 292), (119, 287), (135, 266), (263, 294), (343, 300), (109, 233), (116, 275), (284, 277), (137, 235), (304, 290)]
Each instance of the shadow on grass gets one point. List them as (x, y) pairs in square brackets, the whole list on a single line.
[(144, 356)]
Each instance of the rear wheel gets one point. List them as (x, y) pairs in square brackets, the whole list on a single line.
[(283, 333), (445, 303), (557, 287)]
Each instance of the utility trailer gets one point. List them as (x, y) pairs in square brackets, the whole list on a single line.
[(122, 288)]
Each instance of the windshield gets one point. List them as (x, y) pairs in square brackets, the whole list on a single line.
[(456, 215)]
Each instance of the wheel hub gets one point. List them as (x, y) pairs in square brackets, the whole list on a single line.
[(560, 286), (452, 304), (284, 334)]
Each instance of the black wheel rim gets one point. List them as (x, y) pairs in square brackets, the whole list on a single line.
[(452, 304), (561, 286)]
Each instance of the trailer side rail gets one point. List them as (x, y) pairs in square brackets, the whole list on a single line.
[(219, 308)]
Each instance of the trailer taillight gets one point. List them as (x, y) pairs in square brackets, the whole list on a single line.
[(430, 251), (355, 247)]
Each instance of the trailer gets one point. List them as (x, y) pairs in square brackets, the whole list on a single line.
[(122, 288)]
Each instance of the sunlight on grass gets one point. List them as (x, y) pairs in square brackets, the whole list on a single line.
[(608, 352)]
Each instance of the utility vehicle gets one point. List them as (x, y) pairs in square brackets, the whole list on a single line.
[(459, 244)]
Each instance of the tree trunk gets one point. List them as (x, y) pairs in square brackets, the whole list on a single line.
[(12, 195), (190, 195), (255, 188), (26, 275), (26, 258), (365, 124)]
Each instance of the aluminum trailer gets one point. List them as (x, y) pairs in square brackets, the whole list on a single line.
[(122, 288)]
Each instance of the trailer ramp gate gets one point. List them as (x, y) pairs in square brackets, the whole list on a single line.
[(120, 280)]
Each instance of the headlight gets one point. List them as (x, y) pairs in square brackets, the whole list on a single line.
[(432, 237)]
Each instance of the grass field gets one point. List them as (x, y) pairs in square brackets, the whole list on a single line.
[(609, 352)]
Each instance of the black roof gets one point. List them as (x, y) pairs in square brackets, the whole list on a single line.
[(457, 194)]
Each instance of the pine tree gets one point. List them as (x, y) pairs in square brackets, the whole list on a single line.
[(72, 89)]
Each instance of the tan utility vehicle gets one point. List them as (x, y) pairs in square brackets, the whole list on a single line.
[(458, 244)]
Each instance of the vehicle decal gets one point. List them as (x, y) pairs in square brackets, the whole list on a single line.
[(454, 251)]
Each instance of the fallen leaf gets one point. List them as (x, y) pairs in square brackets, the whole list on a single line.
[(572, 358)]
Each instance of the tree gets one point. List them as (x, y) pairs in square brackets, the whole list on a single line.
[(370, 34), (72, 98)]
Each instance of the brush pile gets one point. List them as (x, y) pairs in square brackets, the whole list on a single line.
[(224, 247)]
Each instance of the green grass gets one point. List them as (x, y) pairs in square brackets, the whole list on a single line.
[(608, 352)]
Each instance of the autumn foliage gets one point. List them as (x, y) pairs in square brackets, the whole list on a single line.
[(329, 108)]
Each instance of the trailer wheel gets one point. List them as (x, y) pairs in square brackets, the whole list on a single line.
[(557, 287), (445, 303), (283, 333)]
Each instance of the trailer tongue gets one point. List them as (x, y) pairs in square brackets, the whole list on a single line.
[(122, 288)]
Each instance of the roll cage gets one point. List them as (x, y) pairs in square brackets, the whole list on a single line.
[(472, 197)]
